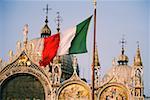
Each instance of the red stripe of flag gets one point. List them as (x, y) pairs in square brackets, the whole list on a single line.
[(51, 45)]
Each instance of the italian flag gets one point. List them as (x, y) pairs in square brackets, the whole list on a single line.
[(46, 48), (73, 40)]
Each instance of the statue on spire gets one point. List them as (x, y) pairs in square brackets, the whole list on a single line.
[(95, 2), (25, 33), (75, 64)]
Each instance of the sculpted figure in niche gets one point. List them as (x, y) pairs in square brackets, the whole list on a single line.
[(138, 78), (56, 75), (18, 47), (25, 32)]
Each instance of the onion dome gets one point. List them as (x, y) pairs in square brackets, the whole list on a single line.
[(119, 73), (137, 58), (46, 31), (123, 59)]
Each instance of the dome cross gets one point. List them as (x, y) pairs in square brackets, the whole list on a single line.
[(123, 42), (58, 20), (46, 9), (138, 45), (123, 59)]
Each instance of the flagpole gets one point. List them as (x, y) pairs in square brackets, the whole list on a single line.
[(94, 43)]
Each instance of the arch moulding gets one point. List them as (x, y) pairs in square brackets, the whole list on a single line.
[(27, 67)]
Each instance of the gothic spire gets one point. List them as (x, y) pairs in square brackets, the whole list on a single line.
[(96, 57), (137, 58), (25, 33), (97, 69)]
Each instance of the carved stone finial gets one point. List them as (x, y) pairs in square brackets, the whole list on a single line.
[(25, 33), (10, 53), (18, 46), (1, 60), (57, 60), (95, 4), (30, 46)]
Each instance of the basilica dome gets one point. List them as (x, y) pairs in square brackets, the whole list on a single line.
[(121, 73), (46, 31)]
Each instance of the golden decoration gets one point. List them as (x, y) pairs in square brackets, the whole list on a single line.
[(74, 92)]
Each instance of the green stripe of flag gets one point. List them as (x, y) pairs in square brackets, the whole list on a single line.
[(78, 44)]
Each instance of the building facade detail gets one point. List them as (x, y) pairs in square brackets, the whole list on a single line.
[(138, 76), (74, 88), (60, 79), (121, 82)]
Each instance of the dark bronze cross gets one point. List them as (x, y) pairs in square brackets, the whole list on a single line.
[(122, 44), (58, 20), (138, 44), (123, 41), (47, 9)]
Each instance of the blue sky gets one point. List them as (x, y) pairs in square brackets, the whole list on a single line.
[(114, 18)]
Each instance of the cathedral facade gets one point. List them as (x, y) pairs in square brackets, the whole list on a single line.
[(21, 78)]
